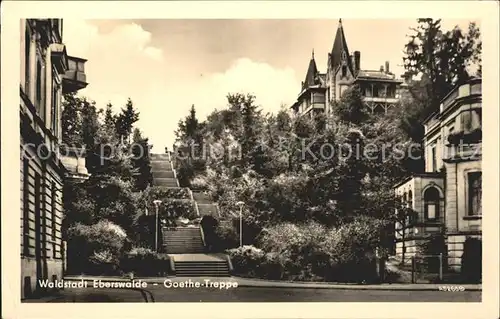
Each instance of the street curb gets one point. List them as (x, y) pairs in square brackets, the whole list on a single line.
[(268, 284)]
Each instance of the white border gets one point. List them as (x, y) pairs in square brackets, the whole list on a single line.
[(12, 11)]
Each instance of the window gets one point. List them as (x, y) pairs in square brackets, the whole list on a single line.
[(54, 211), (54, 108), (38, 84), (475, 193), (26, 223), (27, 59), (344, 71), (431, 203), (410, 199), (433, 158), (39, 244)]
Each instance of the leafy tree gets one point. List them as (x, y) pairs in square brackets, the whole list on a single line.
[(351, 108), (444, 57), (71, 120)]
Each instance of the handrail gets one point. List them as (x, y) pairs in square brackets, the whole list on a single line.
[(197, 209), (202, 236), (230, 264), (172, 264), (173, 170)]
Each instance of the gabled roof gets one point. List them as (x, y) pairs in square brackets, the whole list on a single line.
[(339, 46), (312, 73)]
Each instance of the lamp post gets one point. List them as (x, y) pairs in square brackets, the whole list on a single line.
[(240, 204), (157, 206)]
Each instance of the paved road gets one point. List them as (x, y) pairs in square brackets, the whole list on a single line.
[(257, 294)]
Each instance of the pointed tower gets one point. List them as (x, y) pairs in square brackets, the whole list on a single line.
[(312, 73), (340, 53), (311, 99), (340, 71)]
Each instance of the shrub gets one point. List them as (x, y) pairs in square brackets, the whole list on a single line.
[(199, 183), (428, 252), (351, 249), (299, 249), (225, 237), (95, 249), (182, 208), (144, 262), (246, 260), (162, 193)]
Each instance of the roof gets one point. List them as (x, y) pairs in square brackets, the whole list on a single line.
[(312, 73), (377, 75), (339, 46)]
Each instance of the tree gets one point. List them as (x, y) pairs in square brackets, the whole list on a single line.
[(141, 161), (109, 117), (444, 57), (125, 121), (351, 108), (71, 120)]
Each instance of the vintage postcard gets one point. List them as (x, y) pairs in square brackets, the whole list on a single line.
[(252, 157)]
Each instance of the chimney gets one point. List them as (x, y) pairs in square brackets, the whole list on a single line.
[(381, 68), (387, 67), (357, 58)]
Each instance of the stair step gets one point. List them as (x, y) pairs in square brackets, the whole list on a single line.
[(163, 174)]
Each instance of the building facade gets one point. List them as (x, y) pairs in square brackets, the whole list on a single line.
[(447, 198), (47, 72), (379, 88)]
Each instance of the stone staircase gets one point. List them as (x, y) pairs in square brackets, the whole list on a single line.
[(185, 245), (201, 265), (183, 240)]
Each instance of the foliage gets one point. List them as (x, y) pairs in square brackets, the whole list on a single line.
[(116, 174), (141, 161), (225, 237), (162, 193), (443, 59), (145, 262), (125, 120), (96, 249)]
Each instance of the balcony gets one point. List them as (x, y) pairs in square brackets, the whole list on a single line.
[(75, 78), (372, 99)]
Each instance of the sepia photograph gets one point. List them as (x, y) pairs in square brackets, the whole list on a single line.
[(250, 160)]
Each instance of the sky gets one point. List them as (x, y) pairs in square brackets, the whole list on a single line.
[(165, 66)]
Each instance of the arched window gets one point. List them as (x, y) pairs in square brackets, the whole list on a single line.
[(431, 203)]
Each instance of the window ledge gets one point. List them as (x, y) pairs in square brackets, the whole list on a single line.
[(473, 217)]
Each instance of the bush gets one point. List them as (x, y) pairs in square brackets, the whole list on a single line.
[(298, 249), (145, 262), (225, 237), (199, 183), (351, 249), (313, 252), (162, 193), (95, 249), (182, 208), (246, 260), (428, 253)]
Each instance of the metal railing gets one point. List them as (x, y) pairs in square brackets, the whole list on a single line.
[(427, 266)]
